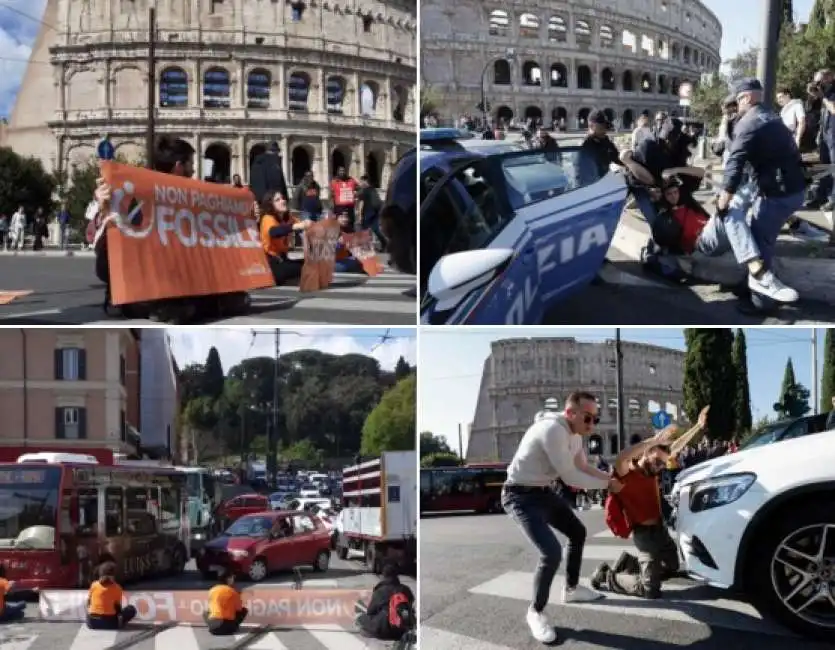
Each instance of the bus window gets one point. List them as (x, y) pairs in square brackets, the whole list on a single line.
[(170, 509), (114, 513), (442, 483), (136, 499), (141, 524), (88, 513), (425, 484), (210, 486)]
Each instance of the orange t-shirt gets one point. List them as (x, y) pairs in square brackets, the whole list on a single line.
[(102, 599), (5, 586), (274, 246), (640, 496), (224, 603), (692, 223)]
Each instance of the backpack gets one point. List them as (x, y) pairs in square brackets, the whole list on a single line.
[(398, 606), (616, 518)]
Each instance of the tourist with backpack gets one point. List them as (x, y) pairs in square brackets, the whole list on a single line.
[(636, 511), (390, 612), (551, 449)]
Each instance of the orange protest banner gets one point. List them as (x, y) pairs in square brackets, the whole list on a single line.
[(178, 237), (267, 606), (361, 245), (320, 241)]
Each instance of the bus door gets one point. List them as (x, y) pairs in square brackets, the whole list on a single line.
[(141, 536)]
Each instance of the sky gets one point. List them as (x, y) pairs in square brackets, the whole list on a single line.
[(17, 34), (191, 345), (447, 391)]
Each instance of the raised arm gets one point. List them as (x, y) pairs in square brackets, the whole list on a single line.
[(557, 442), (685, 440)]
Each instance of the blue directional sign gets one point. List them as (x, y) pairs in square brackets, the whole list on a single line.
[(105, 150), (661, 419)]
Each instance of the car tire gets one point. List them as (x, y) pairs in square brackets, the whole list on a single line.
[(322, 561), (763, 578), (257, 570)]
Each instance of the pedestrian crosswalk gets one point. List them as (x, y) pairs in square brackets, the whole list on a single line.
[(42, 635), (684, 602)]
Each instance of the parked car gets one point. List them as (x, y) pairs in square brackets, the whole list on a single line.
[(307, 504), (238, 506), (280, 500), (309, 490), (761, 522), (257, 545), (787, 430)]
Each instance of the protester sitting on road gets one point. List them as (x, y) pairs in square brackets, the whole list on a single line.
[(9, 612), (226, 610), (345, 262), (276, 226), (638, 469), (391, 602), (104, 602)]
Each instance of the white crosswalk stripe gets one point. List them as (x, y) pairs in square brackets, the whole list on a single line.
[(40, 635), (681, 603)]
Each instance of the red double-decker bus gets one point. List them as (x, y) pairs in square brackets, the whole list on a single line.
[(476, 488), (61, 515)]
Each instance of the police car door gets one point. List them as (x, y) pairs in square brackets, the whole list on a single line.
[(565, 218), (459, 212)]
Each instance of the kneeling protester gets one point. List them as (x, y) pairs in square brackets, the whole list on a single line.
[(104, 602), (391, 605), (226, 610)]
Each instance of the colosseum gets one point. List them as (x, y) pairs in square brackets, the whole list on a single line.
[(520, 374), (333, 81), (557, 60)]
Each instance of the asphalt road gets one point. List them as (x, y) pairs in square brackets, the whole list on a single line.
[(39, 634), (65, 291), (476, 576)]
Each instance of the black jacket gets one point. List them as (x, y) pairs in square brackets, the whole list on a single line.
[(267, 176), (376, 621)]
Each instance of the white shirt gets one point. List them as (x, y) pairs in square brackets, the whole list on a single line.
[(18, 221), (640, 134), (548, 452), (792, 113)]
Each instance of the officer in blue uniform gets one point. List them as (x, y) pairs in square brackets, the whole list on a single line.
[(763, 147)]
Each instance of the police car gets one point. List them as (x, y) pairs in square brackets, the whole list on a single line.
[(505, 231)]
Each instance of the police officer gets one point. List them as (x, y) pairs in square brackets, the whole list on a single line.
[(597, 151), (764, 146)]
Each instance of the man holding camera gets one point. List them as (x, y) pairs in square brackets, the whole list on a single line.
[(823, 89)]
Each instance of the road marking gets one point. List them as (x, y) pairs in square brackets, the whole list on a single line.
[(335, 637), (7, 297), (88, 639), (673, 606), (312, 583), (29, 314), (267, 642), (179, 638), (605, 534), (337, 304), (431, 637), (17, 641)]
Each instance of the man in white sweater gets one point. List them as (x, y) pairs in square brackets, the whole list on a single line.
[(551, 449)]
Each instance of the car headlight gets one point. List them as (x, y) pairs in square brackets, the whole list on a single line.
[(239, 553), (720, 491)]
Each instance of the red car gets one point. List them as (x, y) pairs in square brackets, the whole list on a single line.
[(243, 504), (260, 544)]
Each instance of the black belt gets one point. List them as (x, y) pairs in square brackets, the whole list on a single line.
[(526, 489)]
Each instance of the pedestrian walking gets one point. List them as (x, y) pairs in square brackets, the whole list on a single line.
[(64, 226), (17, 229), (552, 449), (4, 232)]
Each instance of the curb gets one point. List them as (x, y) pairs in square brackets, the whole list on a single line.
[(814, 279)]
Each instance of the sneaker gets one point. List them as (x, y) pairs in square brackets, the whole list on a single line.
[(770, 285), (600, 576), (541, 627), (580, 594)]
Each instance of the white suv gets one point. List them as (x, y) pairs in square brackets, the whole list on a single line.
[(763, 522)]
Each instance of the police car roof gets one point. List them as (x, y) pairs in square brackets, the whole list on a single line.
[(430, 135)]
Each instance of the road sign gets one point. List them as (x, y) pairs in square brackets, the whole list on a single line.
[(105, 150), (661, 419)]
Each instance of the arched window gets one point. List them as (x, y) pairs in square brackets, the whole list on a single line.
[(336, 94), (173, 88), (298, 90), (216, 88), (258, 84)]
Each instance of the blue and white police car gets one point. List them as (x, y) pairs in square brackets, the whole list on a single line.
[(506, 232)]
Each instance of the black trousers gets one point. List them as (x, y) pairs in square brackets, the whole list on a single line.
[(224, 627), (115, 622), (284, 270)]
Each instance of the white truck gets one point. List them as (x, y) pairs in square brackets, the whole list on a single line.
[(380, 512)]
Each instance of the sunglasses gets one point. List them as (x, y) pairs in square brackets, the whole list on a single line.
[(588, 419)]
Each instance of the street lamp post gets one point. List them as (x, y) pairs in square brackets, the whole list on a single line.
[(152, 85), (767, 63), (509, 55)]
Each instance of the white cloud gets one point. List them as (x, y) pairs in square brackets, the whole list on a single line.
[(192, 345), (17, 35)]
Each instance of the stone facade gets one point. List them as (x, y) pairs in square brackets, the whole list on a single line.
[(560, 60), (333, 82), (520, 374)]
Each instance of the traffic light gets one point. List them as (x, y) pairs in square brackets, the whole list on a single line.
[(480, 106)]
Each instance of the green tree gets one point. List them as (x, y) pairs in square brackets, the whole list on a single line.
[(432, 444), (817, 17), (431, 99), (709, 379), (303, 450), (706, 100), (801, 54), (742, 404), (391, 426), (402, 369), (794, 397), (213, 376), (828, 378), (788, 13), (23, 181), (440, 459)]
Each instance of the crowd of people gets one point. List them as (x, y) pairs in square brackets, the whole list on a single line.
[(15, 228)]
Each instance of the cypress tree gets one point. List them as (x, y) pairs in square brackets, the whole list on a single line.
[(794, 397), (817, 18), (710, 379), (788, 13), (828, 378), (742, 403), (213, 377)]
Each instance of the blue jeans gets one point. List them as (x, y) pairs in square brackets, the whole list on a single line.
[(371, 221), (536, 511), (825, 190), (349, 265), (13, 612)]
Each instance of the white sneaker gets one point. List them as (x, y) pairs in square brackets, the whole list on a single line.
[(770, 285), (580, 594), (541, 627)]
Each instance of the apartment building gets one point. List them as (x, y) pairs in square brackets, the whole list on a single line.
[(69, 390)]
